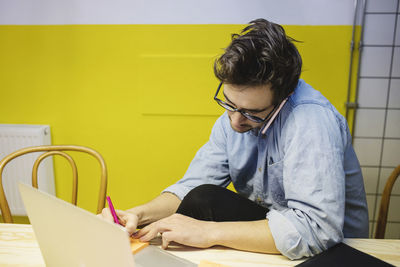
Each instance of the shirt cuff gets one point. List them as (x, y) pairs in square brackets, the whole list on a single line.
[(178, 190)]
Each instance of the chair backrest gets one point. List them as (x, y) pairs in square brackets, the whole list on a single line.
[(384, 208), (49, 151)]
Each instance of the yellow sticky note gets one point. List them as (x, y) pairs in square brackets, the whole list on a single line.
[(137, 245), (205, 263)]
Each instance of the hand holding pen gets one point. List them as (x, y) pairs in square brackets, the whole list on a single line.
[(124, 218)]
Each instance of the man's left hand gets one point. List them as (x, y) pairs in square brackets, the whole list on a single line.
[(181, 229)]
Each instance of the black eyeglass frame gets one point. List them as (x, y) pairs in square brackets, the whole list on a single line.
[(244, 113)]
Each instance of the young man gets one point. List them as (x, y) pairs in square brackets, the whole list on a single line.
[(284, 147)]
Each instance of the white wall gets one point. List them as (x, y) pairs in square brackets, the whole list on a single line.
[(298, 12)]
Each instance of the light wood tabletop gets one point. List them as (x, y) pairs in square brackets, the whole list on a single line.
[(18, 247)]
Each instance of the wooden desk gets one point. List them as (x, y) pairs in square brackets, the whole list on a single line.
[(18, 247)]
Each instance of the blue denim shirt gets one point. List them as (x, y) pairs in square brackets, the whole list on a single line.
[(303, 169)]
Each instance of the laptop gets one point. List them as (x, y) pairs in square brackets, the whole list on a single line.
[(70, 236)]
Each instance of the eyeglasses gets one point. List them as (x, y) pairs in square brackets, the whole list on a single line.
[(244, 113)]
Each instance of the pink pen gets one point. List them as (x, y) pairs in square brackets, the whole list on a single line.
[(110, 205)]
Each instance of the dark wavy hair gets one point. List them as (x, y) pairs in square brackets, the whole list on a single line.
[(262, 53)]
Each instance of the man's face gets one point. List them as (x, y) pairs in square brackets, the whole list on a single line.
[(255, 100)]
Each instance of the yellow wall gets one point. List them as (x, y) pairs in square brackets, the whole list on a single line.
[(139, 94)]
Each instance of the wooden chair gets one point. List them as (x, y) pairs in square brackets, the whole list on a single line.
[(384, 208), (49, 151)]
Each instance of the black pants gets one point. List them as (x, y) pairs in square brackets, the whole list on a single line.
[(214, 203)]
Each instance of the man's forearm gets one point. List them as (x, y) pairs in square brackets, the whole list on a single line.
[(162, 206), (250, 236)]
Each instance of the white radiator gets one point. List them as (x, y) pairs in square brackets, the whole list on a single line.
[(12, 138)]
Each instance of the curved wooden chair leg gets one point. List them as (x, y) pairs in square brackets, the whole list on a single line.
[(384, 207)]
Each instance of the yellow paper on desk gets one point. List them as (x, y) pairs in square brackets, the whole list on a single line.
[(205, 263), (137, 245)]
